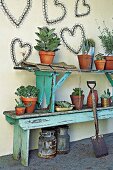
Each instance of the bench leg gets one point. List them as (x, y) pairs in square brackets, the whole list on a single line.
[(25, 147), (16, 142)]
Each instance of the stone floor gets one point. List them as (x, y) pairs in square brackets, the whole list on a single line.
[(81, 157)]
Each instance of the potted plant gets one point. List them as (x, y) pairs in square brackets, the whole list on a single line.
[(20, 107), (106, 38), (86, 58), (63, 106), (106, 98), (100, 61), (47, 44), (77, 98), (28, 95)]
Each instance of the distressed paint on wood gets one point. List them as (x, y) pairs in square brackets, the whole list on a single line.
[(42, 113), (25, 147), (61, 81), (110, 79), (17, 142), (40, 85), (52, 98), (56, 120), (48, 87)]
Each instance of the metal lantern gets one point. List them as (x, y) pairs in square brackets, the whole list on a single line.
[(63, 140), (47, 144)]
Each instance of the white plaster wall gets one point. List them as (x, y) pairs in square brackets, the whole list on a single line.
[(10, 79)]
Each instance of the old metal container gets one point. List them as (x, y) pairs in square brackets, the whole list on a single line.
[(105, 102), (47, 144), (63, 140)]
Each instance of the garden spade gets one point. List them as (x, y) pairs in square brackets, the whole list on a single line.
[(99, 145)]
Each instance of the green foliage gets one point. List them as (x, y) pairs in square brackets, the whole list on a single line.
[(28, 91), (106, 94), (99, 56), (63, 104), (106, 38), (77, 92), (47, 40), (19, 103), (87, 43)]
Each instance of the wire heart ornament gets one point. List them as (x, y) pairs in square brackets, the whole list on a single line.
[(25, 55), (57, 4), (87, 6), (72, 33), (13, 20)]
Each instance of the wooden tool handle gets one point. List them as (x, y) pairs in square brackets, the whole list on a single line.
[(95, 114)]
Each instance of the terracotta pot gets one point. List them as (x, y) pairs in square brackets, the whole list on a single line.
[(46, 57), (89, 99), (105, 102), (100, 64), (20, 110), (77, 101), (85, 61), (109, 63), (31, 102)]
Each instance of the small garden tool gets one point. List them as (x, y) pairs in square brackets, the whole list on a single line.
[(98, 142)]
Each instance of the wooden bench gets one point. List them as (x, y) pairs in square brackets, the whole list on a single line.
[(23, 124)]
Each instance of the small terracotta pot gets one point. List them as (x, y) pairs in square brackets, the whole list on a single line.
[(100, 64), (89, 99), (46, 57), (20, 110), (105, 102), (85, 61), (109, 63), (31, 102), (77, 101)]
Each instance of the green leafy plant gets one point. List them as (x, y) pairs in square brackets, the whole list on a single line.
[(63, 104), (28, 91), (87, 43), (99, 56), (106, 94), (106, 38), (47, 40), (19, 103), (77, 92)]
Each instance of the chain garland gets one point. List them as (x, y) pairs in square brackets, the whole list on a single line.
[(13, 20), (72, 32), (77, 14), (57, 4), (22, 45)]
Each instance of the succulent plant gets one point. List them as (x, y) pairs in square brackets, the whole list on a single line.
[(87, 43), (77, 92), (99, 56), (106, 94), (47, 40), (19, 103), (28, 91), (63, 104)]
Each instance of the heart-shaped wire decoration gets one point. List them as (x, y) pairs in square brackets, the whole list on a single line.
[(13, 20), (72, 32), (25, 55), (77, 14), (57, 4)]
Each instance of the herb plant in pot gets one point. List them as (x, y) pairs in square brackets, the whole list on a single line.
[(106, 98), (77, 98), (47, 44), (85, 59), (100, 61), (106, 38), (20, 107), (28, 95)]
